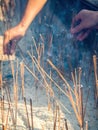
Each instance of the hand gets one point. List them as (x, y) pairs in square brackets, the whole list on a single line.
[(11, 37), (88, 20)]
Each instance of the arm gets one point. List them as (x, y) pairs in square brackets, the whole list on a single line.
[(88, 21), (16, 33), (32, 9)]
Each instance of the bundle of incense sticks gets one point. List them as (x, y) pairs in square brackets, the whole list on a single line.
[(4, 57), (46, 84), (75, 95)]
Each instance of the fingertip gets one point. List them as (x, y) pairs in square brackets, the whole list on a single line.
[(72, 30)]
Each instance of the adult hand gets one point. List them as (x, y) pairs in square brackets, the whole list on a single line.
[(88, 20), (11, 37)]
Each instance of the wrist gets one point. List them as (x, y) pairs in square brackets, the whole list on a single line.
[(22, 26)]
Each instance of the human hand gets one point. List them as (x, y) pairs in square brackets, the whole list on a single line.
[(88, 20), (11, 37)]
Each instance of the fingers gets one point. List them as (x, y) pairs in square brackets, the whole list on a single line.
[(5, 42), (74, 20), (77, 29), (83, 35), (10, 47), (10, 40), (77, 24)]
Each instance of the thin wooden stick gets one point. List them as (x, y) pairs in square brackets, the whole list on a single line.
[(27, 113), (82, 117), (49, 94), (73, 79), (22, 77), (61, 104), (43, 72), (63, 126), (95, 67), (39, 49), (16, 94), (74, 108), (30, 71), (55, 120), (43, 55), (53, 66), (13, 74), (41, 38), (32, 60), (86, 125), (86, 103), (3, 115), (80, 101), (35, 45), (59, 118), (7, 117), (0, 74), (32, 124), (75, 90), (9, 103), (96, 78), (54, 83), (36, 63), (15, 80), (66, 126)]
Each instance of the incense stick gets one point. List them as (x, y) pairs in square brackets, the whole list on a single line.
[(36, 63), (27, 113), (16, 94), (22, 77), (86, 125), (55, 120), (32, 124), (66, 126)]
